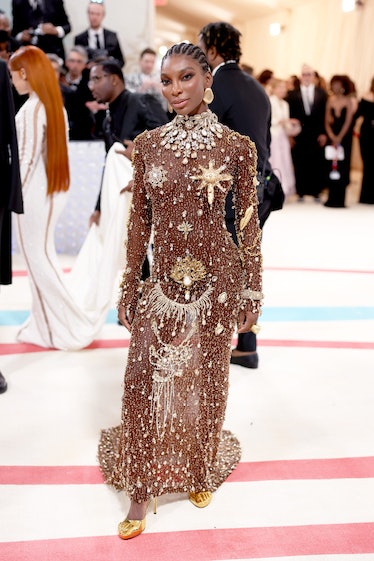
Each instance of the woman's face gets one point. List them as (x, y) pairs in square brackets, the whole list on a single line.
[(184, 83), (280, 90), (337, 87), (19, 81)]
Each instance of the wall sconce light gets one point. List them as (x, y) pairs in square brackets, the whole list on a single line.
[(275, 29), (351, 5), (348, 5)]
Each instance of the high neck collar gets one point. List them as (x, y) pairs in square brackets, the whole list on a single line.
[(206, 116)]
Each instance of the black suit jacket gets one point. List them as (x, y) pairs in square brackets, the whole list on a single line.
[(10, 189), (112, 46), (313, 124), (129, 115), (241, 103), (52, 11)]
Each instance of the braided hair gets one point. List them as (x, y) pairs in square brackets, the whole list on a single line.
[(188, 49), (224, 37)]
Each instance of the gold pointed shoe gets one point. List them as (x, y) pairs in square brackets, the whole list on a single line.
[(130, 528), (201, 499)]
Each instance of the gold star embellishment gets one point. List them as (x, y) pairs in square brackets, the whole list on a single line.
[(211, 177)]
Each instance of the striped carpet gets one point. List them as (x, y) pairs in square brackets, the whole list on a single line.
[(304, 490)]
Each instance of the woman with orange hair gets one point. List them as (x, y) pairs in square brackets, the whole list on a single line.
[(42, 137), (68, 310)]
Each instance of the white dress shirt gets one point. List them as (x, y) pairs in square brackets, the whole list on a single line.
[(307, 94), (92, 38)]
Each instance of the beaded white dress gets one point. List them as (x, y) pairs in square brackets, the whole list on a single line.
[(171, 437), (68, 310)]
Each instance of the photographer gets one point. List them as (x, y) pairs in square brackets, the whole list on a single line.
[(7, 43), (41, 23)]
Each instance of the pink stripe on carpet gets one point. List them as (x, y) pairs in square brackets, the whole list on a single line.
[(23, 272), (320, 270), (22, 348), (334, 468), (202, 545)]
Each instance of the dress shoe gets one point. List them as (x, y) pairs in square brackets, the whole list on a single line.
[(3, 384), (248, 361), (200, 499)]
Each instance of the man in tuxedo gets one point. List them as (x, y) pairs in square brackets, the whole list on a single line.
[(308, 104), (241, 103), (43, 23), (10, 189), (128, 113), (96, 39), (81, 119)]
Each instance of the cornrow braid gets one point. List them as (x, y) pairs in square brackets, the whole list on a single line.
[(188, 49), (224, 37)]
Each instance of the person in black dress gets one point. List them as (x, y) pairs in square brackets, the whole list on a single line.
[(366, 110), (338, 124)]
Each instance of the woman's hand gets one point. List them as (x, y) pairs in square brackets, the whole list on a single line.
[(246, 320), (128, 188), (129, 147), (125, 319)]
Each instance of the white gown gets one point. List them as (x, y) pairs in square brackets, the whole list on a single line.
[(280, 149), (68, 310)]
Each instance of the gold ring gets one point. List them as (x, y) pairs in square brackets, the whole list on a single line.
[(255, 328)]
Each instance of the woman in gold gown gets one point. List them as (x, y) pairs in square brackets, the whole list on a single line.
[(183, 317)]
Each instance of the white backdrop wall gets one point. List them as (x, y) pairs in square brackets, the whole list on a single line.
[(133, 21), (318, 33)]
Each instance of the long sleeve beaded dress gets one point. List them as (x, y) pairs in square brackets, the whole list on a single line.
[(171, 437)]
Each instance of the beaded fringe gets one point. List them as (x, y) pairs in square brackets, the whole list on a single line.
[(163, 307)]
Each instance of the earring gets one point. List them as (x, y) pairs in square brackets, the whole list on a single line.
[(170, 109), (208, 96)]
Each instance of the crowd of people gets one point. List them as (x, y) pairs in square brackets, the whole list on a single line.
[(312, 129), (202, 183)]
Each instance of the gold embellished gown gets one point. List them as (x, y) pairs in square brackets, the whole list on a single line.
[(176, 380)]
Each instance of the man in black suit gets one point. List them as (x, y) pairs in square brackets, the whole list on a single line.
[(10, 190), (81, 119), (308, 104), (241, 103), (96, 39), (43, 23), (128, 113)]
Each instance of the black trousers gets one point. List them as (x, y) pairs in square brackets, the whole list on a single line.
[(247, 342)]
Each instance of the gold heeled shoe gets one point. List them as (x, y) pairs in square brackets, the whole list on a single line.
[(201, 499), (131, 528)]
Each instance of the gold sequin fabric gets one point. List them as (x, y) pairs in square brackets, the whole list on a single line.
[(171, 437)]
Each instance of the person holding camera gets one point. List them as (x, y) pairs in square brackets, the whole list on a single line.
[(43, 23)]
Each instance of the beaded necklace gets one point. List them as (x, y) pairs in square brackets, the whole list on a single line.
[(185, 135)]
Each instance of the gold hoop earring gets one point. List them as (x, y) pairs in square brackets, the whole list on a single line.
[(208, 96)]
